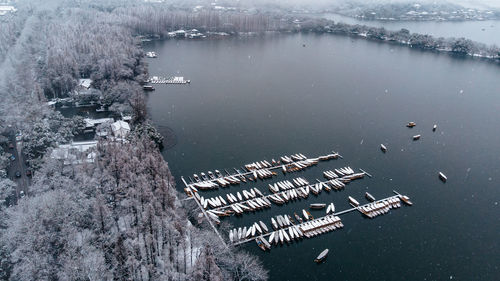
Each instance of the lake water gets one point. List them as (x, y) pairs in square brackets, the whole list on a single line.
[(487, 31), (260, 98)]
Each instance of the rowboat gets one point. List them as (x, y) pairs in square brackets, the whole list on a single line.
[(287, 220), (442, 177), (416, 137), (271, 237), (321, 256), (287, 238), (231, 236), (257, 227), (317, 206), (306, 216), (260, 243), (297, 217), (411, 125), (330, 209), (275, 225), (263, 226), (281, 236), (249, 231), (369, 197), (406, 199), (266, 244), (383, 148), (353, 201)]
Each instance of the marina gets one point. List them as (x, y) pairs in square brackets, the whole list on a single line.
[(281, 229)]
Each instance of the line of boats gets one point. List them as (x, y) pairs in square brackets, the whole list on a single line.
[(253, 199), (307, 229), (340, 172), (253, 171), (379, 208), (285, 229)]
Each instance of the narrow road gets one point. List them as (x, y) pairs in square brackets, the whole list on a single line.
[(18, 165)]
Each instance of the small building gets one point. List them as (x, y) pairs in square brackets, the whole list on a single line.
[(4, 9), (85, 83), (91, 123), (180, 33), (120, 129), (75, 153)]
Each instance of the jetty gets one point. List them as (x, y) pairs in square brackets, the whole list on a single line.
[(249, 202), (168, 80), (307, 224), (253, 171)]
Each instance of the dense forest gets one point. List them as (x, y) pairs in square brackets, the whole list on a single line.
[(120, 217)]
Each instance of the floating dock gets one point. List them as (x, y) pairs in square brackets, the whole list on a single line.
[(306, 224), (260, 201), (260, 172), (168, 80)]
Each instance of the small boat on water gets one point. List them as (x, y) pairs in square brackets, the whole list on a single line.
[(263, 226), (369, 197), (306, 216), (266, 244), (330, 209), (383, 148), (322, 256), (353, 201), (442, 177), (151, 55), (411, 125), (317, 206), (257, 228), (260, 243), (297, 217), (434, 128), (271, 237), (416, 137), (275, 225), (406, 199), (148, 88)]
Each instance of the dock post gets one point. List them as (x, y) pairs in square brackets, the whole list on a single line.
[(363, 171)]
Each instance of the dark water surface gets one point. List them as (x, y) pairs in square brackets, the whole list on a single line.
[(260, 98)]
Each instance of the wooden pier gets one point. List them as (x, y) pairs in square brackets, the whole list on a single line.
[(316, 219)]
